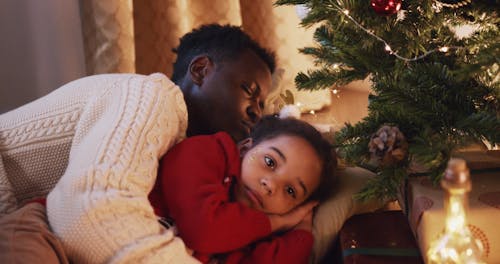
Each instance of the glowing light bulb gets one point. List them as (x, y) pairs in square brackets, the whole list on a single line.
[(456, 244), (444, 49), (312, 112), (346, 11), (335, 91), (388, 48)]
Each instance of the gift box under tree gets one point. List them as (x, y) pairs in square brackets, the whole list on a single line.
[(379, 237), (422, 201)]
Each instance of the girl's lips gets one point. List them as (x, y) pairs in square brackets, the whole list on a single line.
[(255, 198)]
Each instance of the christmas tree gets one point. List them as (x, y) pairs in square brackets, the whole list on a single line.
[(434, 66)]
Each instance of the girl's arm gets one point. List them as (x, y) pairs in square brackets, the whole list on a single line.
[(192, 185), (294, 246)]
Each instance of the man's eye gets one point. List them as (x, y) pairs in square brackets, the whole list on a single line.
[(248, 90), (269, 162), (291, 191)]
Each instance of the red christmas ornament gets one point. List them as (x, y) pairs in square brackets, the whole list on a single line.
[(386, 7)]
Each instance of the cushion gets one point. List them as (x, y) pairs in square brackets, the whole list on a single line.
[(331, 214), (25, 237)]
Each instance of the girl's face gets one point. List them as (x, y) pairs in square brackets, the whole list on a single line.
[(278, 174)]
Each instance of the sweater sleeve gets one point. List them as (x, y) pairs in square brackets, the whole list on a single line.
[(292, 247), (192, 183), (99, 209)]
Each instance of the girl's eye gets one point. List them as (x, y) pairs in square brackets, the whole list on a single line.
[(290, 191), (269, 162)]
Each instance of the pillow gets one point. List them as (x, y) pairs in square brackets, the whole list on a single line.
[(25, 237), (332, 213)]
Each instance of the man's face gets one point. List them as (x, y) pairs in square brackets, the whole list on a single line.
[(233, 94)]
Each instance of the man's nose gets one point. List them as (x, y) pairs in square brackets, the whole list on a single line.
[(254, 111)]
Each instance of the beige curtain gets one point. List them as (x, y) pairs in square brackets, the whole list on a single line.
[(159, 24), (108, 36), (138, 35)]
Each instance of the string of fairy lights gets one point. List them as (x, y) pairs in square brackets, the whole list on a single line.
[(387, 47), (456, 4)]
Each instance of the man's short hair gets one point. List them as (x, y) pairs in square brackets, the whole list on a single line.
[(219, 43)]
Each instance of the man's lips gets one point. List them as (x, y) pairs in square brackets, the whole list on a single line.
[(255, 197)]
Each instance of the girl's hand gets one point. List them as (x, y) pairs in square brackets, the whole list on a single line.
[(306, 223), (292, 218)]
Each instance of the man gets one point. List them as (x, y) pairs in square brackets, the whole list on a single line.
[(99, 208), (225, 78)]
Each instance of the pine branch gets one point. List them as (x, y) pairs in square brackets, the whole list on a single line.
[(326, 78), (384, 186), (440, 103), (479, 125)]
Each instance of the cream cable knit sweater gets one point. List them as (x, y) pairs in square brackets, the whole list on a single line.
[(114, 128)]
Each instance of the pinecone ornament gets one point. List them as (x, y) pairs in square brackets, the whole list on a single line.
[(388, 146)]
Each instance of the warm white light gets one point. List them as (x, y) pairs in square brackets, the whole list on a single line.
[(336, 65), (302, 11), (456, 221), (312, 112), (388, 48), (335, 91), (453, 254), (455, 207), (456, 244), (298, 104), (346, 11), (444, 49), (445, 252)]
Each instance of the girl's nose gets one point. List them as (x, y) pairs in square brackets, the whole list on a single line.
[(268, 185)]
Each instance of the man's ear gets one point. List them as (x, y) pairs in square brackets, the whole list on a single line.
[(198, 68), (245, 145)]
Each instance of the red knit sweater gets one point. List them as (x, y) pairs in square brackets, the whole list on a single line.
[(194, 188)]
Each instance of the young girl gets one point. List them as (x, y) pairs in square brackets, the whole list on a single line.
[(246, 203)]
